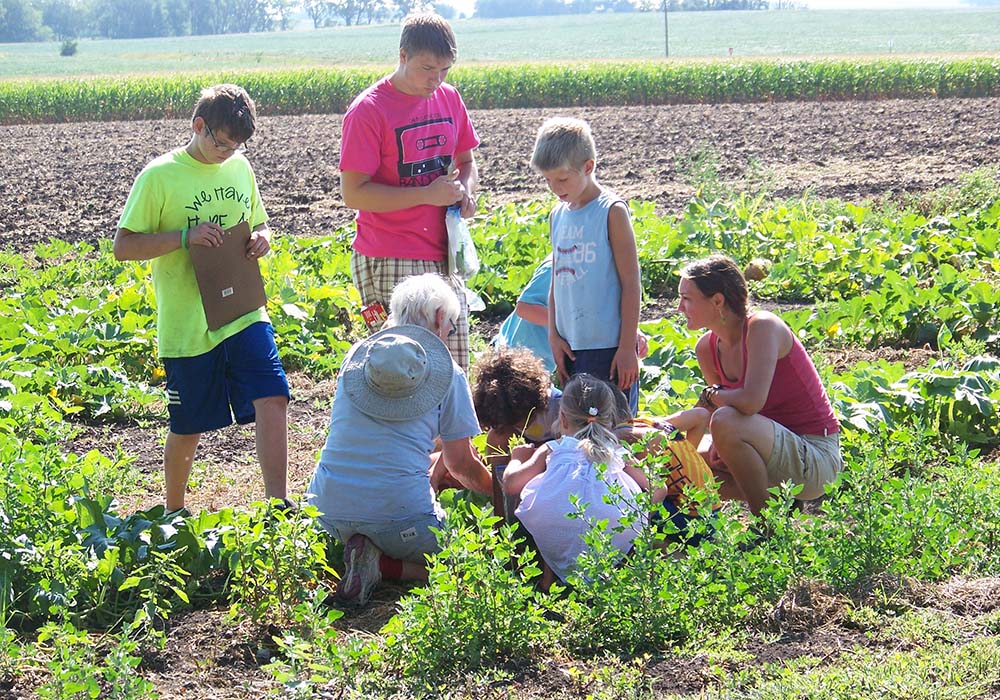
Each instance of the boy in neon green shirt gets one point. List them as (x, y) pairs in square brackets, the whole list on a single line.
[(189, 197)]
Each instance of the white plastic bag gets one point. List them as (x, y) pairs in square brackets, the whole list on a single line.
[(462, 258)]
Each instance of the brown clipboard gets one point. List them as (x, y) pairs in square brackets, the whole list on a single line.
[(229, 282)]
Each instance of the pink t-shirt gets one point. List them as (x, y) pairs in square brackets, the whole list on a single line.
[(796, 399), (404, 141)]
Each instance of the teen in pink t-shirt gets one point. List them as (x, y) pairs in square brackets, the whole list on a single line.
[(408, 141), (407, 155)]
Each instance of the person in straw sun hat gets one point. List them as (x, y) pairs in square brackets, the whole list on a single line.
[(397, 391)]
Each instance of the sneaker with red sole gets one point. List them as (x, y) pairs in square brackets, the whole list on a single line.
[(362, 573)]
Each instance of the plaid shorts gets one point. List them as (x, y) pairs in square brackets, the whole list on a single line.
[(375, 279)]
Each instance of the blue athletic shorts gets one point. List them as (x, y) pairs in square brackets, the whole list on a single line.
[(598, 364), (205, 392)]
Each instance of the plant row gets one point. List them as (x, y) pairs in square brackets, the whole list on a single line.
[(911, 505), (79, 338), (331, 90)]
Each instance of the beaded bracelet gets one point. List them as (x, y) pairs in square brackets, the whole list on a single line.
[(708, 393)]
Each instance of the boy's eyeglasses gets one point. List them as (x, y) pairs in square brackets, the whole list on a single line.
[(223, 147), (453, 330)]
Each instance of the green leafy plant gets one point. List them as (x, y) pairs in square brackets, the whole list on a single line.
[(277, 561), (478, 608)]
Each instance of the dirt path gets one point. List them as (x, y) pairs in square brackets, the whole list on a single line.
[(70, 180)]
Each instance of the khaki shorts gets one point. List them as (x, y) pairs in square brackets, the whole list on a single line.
[(810, 460), (375, 279)]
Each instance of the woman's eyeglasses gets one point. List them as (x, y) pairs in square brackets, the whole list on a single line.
[(223, 147), (454, 328)]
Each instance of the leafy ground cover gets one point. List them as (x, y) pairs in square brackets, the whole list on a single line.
[(580, 37), (854, 595)]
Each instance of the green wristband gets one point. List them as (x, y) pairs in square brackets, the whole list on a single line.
[(184, 238)]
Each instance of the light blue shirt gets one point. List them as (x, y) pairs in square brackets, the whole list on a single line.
[(585, 284), (374, 470), (519, 332)]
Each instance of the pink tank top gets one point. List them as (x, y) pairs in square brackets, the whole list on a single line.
[(797, 399)]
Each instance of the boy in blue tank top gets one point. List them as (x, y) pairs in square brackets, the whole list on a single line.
[(594, 296)]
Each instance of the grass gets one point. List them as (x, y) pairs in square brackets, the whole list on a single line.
[(585, 37)]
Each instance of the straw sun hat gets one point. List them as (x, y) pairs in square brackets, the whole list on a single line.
[(398, 373)]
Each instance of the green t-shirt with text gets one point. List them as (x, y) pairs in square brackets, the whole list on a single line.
[(173, 192)]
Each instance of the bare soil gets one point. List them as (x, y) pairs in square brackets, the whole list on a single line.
[(69, 181)]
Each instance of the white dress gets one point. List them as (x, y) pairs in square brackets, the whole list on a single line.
[(545, 503)]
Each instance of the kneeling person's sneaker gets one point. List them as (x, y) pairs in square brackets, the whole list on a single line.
[(362, 572)]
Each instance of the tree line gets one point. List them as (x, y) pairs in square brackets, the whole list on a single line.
[(34, 20)]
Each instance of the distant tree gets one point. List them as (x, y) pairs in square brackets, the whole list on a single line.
[(67, 19), (377, 11), (128, 19), (620, 6), (445, 10), (177, 17), (281, 13), (353, 12), (402, 8), (319, 11), (520, 8), (20, 20), (232, 16)]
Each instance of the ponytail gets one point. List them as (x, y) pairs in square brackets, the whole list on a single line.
[(598, 442), (589, 410)]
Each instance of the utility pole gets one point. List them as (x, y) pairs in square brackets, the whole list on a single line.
[(666, 29)]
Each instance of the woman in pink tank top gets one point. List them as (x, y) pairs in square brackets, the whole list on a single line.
[(771, 418)]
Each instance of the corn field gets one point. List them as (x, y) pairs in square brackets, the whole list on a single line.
[(326, 90)]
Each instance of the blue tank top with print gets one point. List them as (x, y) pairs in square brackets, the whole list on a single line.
[(585, 284)]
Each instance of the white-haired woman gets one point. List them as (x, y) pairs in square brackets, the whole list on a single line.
[(396, 392), (427, 301)]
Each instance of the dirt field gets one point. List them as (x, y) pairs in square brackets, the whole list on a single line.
[(70, 180)]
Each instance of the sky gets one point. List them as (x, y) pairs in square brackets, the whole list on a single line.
[(467, 6)]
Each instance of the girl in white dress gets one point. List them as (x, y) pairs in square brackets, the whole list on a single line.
[(546, 477)]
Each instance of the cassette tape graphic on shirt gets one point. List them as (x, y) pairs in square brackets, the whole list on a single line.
[(425, 151)]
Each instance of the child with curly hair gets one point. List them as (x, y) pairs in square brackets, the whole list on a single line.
[(514, 398)]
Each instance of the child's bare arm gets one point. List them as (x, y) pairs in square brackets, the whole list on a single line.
[(693, 422), (533, 313), (625, 365), (526, 462), (135, 245), (462, 461), (638, 476), (560, 348), (259, 243)]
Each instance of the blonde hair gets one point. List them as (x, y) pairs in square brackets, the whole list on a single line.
[(416, 300), (589, 412), (563, 142)]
